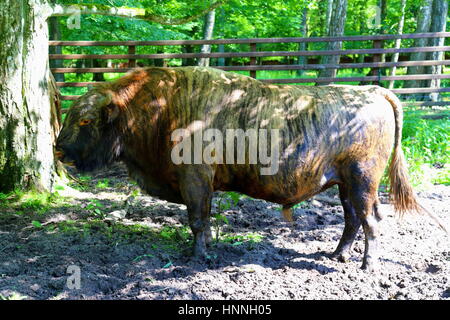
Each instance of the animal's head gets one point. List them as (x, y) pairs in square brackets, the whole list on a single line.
[(89, 137)]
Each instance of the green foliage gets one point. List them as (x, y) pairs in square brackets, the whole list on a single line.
[(426, 143)]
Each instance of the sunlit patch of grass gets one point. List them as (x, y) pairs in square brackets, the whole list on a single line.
[(250, 238), (103, 183), (32, 201), (13, 296)]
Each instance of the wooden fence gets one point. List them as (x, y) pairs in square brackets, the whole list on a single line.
[(255, 60)]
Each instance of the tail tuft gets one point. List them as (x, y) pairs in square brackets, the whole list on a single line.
[(401, 193)]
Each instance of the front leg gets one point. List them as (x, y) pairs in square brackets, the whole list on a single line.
[(196, 190)]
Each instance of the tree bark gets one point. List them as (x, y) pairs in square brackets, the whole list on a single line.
[(398, 41), (25, 122), (98, 77), (438, 24), (302, 45), (382, 30), (328, 16), (55, 34), (208, 30), (423, 25), (337, 25)]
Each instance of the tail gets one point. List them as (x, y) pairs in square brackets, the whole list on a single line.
[(401, 192)]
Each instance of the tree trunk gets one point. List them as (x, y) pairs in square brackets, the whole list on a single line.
[(337, 24), (187, 48), (98, 77), (302, 45), (423, 25), (328, 16), (55, 34), (382, 4), (438, 24), (25, 124), (208, 30), (382, 30), (398, 41)]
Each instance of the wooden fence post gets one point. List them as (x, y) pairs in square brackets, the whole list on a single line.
[(253, 60)]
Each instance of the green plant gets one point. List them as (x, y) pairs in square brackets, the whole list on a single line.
[(225, 202), (238, 239), (13, 296), (37, 224), (103, 183), (175, 234), (138, 258), (85, 178), (95, 207)]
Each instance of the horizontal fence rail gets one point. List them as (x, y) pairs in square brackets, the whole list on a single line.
[(258, 54), (255, 60), (251, 40)]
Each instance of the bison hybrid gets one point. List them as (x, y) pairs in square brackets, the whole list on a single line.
[(328, 135)]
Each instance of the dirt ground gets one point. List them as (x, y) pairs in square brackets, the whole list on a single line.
[(145, 255)]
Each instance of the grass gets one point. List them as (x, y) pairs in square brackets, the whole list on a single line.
[(238, 239), (426, 143), (32, 201)]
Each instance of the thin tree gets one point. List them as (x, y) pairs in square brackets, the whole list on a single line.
[(438, 24), (423, 25), (328, 16), (336, 29), (302, 46), (398, 42), (208, 30)]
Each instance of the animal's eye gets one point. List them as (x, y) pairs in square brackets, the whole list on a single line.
[(84, 122)]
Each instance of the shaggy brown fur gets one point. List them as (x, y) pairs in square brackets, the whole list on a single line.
[(329, 135)]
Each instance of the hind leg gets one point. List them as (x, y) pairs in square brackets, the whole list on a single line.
[(352, 224)]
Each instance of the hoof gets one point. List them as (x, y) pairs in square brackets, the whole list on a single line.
[(370, 266), (341, 257)]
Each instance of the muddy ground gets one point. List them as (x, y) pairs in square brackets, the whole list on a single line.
[(145, 255)]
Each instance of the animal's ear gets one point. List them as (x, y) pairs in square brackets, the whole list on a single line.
[(110, 110)]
